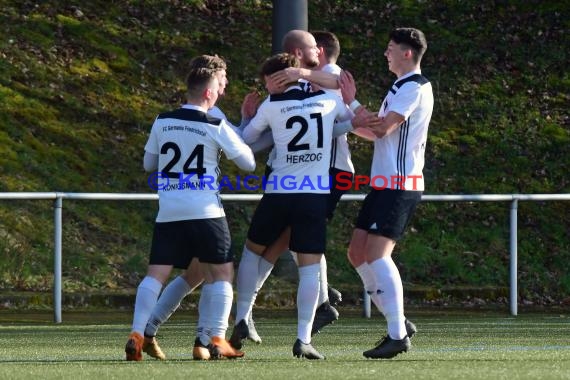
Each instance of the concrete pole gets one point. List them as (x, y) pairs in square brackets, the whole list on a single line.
[(287, 15)]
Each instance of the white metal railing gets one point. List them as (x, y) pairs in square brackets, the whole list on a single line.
[(58, 198)]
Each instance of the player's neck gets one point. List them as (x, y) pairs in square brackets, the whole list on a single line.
[(406, 69), (325, 63), (202, 103)]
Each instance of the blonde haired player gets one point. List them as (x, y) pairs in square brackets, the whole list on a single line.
[(184, 146)]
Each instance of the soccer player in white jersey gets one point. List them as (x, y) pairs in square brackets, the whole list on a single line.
[(341, 163), (303, 45), (184, 150), (340, 166), (191, 278), (296, 190), (397, 183)]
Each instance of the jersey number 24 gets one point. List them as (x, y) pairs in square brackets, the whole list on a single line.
[(196, 155)]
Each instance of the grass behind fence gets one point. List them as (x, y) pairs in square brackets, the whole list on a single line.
[(466, 346)]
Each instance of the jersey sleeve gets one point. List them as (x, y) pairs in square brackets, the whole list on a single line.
[(257, 125), (232, 145), (263, 142), (333, 69), (152, 142), (218, 113), (342, 111), (406, 99)]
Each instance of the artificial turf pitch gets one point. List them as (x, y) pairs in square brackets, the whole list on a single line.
[(448, 345)]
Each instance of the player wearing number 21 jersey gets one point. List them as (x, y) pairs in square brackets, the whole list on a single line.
[(297, 189), (302, 126)]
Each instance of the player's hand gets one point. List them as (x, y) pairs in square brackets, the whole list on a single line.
[(365, 119), (347, 86), (286, 76), (273, 86), (250, 104)]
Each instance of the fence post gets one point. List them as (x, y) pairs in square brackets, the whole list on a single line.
[(57, 289), (514, 258)]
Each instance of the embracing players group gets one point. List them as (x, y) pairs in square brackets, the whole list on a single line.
[(304, 121)]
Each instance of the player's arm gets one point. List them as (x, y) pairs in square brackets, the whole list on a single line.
[(150, 159), (150, 162), (348, 121), (366, 124), (343, 120), (365, 134), (341, 128), (245, 161), (401, 107), (387, 125), (235, 149), (255, 128), (264, 141), (250, 133), (293, 74), (348, 91), (362, 124), (219, 114)]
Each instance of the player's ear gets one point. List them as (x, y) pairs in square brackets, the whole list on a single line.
[(207, 94), (298, 52)]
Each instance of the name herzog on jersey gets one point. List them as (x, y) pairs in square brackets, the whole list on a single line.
[(189, 144), (302, 127)]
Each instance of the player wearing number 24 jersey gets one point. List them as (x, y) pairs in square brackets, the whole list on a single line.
[(185, 146), (188, 143)]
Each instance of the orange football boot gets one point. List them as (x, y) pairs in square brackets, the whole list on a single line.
[(151, 347), (221, 348), (133, 349)]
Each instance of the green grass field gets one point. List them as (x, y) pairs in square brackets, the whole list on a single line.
[(449, 345)]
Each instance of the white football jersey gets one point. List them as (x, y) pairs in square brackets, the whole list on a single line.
[(399, 157), (302, 125), (340, 154), (188, 143), (216, 112)]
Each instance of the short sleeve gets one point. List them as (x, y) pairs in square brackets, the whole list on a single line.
[(406, 99), (232, 145), (152, 142), (257, 125)]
